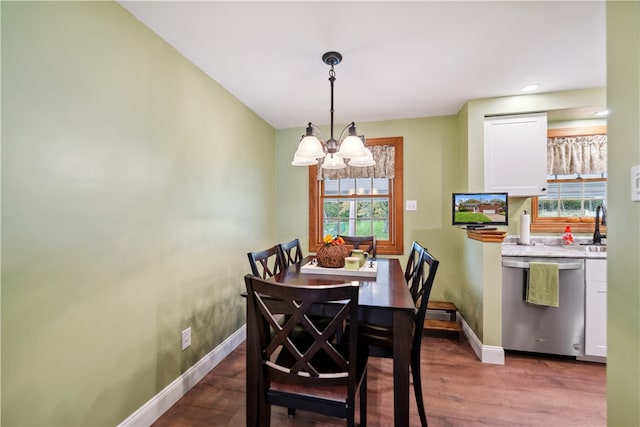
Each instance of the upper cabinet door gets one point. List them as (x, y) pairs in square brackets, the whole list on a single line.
[(515, 154)]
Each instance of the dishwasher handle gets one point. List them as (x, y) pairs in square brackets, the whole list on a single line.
[(576, 265)]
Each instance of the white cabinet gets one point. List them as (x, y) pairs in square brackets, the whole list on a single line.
[(515, 154), (595, 327)]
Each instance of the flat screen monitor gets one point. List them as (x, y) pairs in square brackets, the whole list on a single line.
[(479, 210)]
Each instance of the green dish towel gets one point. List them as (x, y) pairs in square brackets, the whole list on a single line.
[(543, 286)]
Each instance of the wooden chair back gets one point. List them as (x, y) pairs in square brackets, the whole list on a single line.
[(319, 375), (265, 263), (413, 262), (366, 243), (290, 252), (421, 286)]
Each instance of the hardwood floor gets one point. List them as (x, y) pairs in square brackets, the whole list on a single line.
[(459, 390)]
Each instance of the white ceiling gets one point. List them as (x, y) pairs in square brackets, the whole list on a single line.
[(401, 59)]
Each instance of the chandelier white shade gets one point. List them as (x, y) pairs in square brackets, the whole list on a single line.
[(333, 151), (333, 161), (310, 147), (303, 161), (352, 147), (365, 161)]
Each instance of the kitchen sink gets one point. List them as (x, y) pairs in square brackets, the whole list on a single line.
[(595, 248), (583, 247), (588, 248)]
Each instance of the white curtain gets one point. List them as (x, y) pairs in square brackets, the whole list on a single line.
[(385, 167), (577, 155)]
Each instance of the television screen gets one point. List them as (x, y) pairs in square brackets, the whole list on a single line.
[(479, 210)]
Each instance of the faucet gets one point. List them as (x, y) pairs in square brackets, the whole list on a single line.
[(597, 237)]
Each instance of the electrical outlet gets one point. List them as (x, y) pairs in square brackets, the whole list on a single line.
[(186, 338), (412, 205)]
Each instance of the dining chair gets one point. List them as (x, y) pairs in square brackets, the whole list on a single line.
[(380, 338), (413, 262), (321, 376), (290, 252), (368, 243), (266, 263)]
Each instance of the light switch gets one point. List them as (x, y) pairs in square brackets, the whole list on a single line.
[(412, 205), (635, 183)]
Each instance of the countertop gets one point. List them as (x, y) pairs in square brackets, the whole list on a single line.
[(551, 247)]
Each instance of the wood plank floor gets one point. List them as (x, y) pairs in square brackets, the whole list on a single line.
[(459, 390)]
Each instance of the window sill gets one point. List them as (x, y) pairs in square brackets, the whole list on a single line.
[(559, 226)]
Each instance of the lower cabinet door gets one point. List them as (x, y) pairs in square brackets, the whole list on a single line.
[(596, 308)]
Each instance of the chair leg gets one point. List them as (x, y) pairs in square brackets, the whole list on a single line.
[(363, 401), (417, 389)]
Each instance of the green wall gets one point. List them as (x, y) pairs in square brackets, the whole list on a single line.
[(125, 217), (623, 224)]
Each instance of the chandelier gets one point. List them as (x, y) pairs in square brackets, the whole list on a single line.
[(334, 152)]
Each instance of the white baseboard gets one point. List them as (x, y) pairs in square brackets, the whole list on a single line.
[(595, 359), (148, 413), (486, 353)]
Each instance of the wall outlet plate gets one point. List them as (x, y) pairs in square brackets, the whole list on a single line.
[(412, 205), (186, 338)]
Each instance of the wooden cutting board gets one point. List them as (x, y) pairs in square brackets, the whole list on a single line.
[(495, 236)]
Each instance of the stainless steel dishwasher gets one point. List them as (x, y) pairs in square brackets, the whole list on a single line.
[(537, 328)]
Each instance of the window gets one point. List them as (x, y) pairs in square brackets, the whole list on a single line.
[(572, 198), (351, 204)]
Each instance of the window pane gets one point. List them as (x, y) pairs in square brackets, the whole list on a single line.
[(381, 208), (363, 186), (381, 229), (595, 189), (381, 218), (331, 209), (347, 207), (380, 186), (363, 228), (364, 209), (570, 208), (345, 227), (330, 187), (570, 190), (347, 186), (590, 206), (552, 191), (547, 208), (330, 227)]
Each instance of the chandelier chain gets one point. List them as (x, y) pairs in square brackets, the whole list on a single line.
[(332, 78)]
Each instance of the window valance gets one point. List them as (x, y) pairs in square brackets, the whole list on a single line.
[(384, 155), (577, 155)]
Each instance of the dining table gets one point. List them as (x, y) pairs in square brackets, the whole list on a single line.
[(383, 300)]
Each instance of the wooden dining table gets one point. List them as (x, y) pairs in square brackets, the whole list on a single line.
[(383, 300)]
